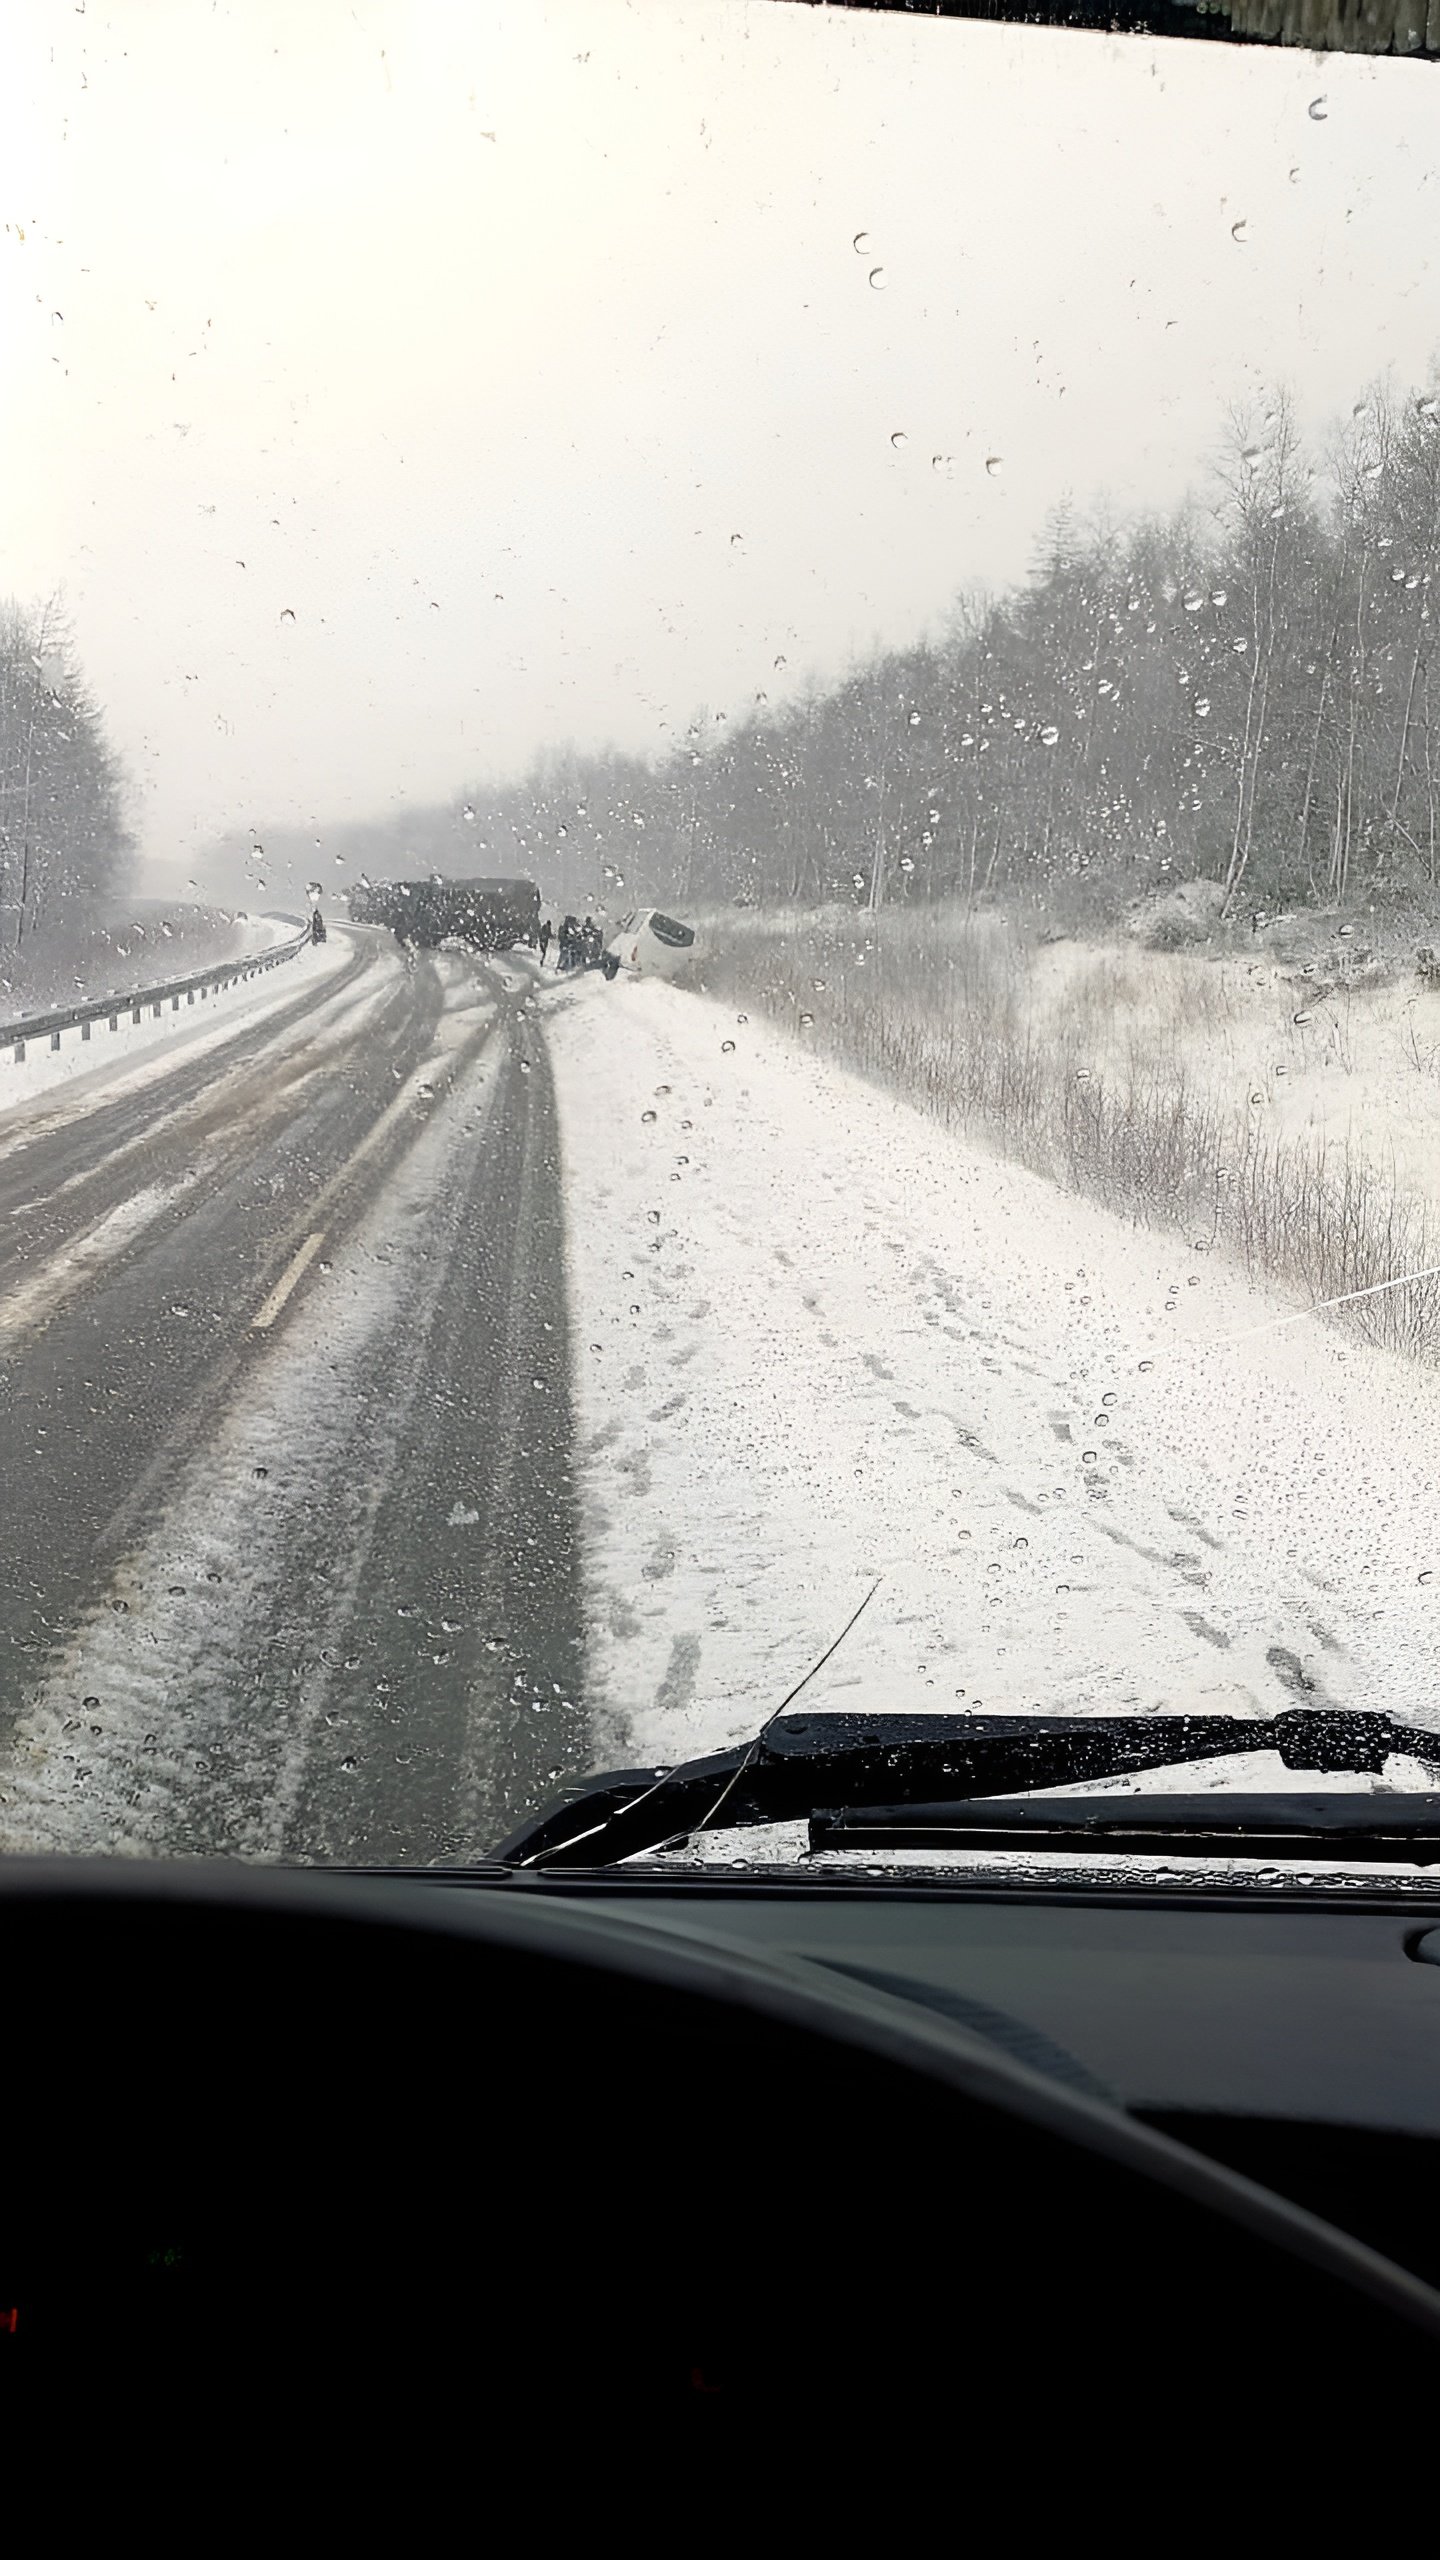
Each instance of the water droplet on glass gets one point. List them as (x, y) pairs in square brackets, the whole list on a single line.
[(805, 1021), (861, 244), (725, 1048), (1050, 737), (1301, 1017), (994, 463), (646, 1117), (878, 279), (899, 439), (1238, 233), (1144, 1365), (1317, 110), (1424, 1577)]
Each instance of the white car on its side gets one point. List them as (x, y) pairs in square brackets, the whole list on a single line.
[(650, 945)]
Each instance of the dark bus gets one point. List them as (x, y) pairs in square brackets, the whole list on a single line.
[(489, 915)]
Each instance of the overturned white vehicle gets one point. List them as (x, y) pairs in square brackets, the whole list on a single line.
[(650, 945)]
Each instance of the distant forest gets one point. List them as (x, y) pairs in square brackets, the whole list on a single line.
[(1247, 691)]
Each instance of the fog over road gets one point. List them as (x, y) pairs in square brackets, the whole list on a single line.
[(286, 1435)]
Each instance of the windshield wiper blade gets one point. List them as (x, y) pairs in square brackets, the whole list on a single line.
[(806, 1764), (1364, 1829)]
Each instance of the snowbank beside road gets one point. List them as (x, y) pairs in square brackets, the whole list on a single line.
[(819, 1340), (138, 945), (197, 1020)]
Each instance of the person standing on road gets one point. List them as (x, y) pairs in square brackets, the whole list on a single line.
[(544, 940), (568, 931)]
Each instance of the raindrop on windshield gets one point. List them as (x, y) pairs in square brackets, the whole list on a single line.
[(1317, 110), (725, 1048), (878, 279), (899, 439), (1238, 233), (1050, 737), (646, 1117), (861, 244), (994, 463)]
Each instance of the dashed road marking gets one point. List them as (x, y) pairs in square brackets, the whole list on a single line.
[(294, 1271)]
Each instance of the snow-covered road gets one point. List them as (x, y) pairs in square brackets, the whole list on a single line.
[(819, 1342), (285, 1499)]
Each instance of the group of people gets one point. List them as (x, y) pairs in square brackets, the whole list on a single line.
[(577, 945)]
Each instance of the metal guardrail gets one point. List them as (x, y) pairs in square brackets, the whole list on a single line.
[(16, 1036)]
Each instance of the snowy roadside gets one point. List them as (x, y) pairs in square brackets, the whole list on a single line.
[(95, 1068), (820, 1341)]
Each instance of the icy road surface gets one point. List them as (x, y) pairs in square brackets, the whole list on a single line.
[(820, 1342), (284, 1478)]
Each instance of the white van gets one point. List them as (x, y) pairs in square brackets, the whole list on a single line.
[(650, 945)]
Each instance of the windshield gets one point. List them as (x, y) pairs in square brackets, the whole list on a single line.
[(953, 512)]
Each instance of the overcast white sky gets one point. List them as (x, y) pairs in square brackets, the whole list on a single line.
[(522, 352)]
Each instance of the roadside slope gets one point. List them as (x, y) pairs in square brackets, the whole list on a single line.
[(820, 1341)]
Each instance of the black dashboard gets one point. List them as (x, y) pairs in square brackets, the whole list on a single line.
[(707, 2159)]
